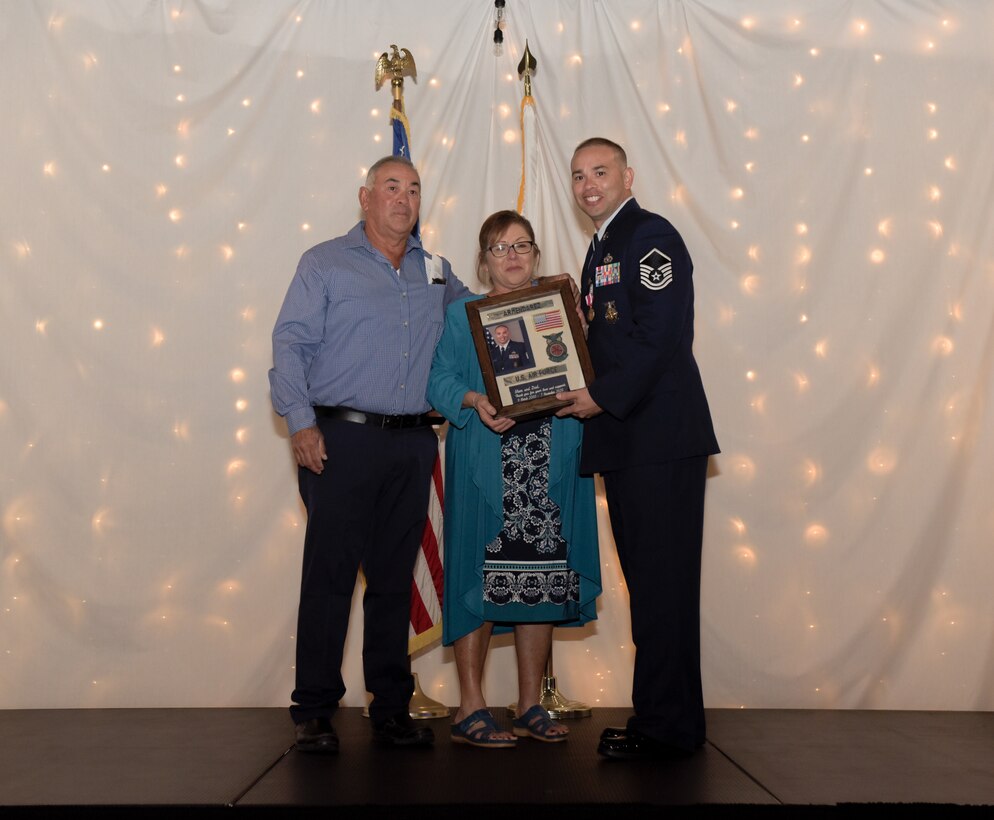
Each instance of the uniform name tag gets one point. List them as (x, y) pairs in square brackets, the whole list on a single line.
[(607, 274)]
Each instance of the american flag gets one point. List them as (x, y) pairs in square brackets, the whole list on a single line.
[(426, 585), (549, 320)]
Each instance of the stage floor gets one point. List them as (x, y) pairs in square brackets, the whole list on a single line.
[(231, 759)]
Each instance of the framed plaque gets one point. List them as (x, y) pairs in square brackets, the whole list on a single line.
[(531, 346)]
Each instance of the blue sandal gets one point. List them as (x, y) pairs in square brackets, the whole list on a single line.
[(538, 724), (479, 730)]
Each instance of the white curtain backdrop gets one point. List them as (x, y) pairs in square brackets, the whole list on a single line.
[(163, 164)]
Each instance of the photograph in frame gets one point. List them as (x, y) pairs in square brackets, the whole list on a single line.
[(530, 344)]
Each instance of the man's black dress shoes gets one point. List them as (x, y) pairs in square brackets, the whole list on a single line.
[(636, 746), (317, 735), (614, 731), (400, 730)]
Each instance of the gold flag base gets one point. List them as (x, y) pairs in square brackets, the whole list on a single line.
[(555, 703), (421, 706)]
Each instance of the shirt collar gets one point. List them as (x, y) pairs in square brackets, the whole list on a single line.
[(603, 228)]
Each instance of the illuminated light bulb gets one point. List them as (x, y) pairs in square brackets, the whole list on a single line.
[(227, 252), (376, 138), (933, 133), (181, 98), (48, 169), (745, 554), (803, 318), (881, 460), (181, 430), (929, 45), (22, 249), (300, 73), (758, 404), (635, 25), (748, 23), (801, 382), (878, 58), (40, 326), (738, 525), (737, 193), (798, 81), (175, 215), (815, 52), (510, 135), (175, 13), (943, 345), (229, 586), (161, 190), (564, 111), (55, 22), (99, 520), (726, 315), (248, 314), (679, 194), (680, 138), (663, 108), (936, 227), (861, 26), (241, 405), (241, 435), (868, 172), (246, 102), (750, 166), (504, 109), (803, 255), (749, 283), (235, 466), (231, 131), (177, 69), (734, 224), (98, 324), (90, 60), (872, 376), (805, 138), (956, 311), (884, 227), (950, 163), (795, 23), (751, 375), (182, 252), (821, 349), (105, 168), (299, 18), (433, 82), (306, 226), (316, 107), (934, 193), (811, 472), (180, 161), (237, 375), (816, 535), (730, 105), (744, 467), (877, 256), (801, 229), (753, 252), (751, 134), (931, 107), (576, 59), (158, 337)]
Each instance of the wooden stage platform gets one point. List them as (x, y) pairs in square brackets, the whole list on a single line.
[(241, 763)]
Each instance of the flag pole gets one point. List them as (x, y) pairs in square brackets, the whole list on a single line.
[(550, 698)]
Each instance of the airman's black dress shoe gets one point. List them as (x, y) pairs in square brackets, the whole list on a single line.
[(614, 731), (636, 746), (317, 735), (400, 730)]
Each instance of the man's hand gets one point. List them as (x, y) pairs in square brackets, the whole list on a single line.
[(308, 449), (582, 405)]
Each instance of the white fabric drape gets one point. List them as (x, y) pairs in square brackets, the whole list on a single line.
[(164, 163)]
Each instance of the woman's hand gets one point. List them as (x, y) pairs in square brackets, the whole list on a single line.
[(487, 412)]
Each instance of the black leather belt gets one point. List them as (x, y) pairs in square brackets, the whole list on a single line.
[(377, 420)]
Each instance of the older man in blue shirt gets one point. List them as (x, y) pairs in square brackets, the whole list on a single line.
[(352, 349)]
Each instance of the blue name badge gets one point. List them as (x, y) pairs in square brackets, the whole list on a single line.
[(607, 274)]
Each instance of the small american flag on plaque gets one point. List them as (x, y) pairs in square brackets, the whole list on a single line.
[(549, 320)]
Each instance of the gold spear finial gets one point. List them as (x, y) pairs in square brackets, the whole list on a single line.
[(396, 66), (526, 68)]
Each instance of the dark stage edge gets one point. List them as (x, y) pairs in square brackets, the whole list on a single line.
[(240, 762)]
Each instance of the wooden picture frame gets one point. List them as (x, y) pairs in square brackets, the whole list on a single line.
[(547, 351)]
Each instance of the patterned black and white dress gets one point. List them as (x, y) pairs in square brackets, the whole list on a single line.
[(526, 577)]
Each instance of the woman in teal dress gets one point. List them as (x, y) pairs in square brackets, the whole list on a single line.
[(520, 522)]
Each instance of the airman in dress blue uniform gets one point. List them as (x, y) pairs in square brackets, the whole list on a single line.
[(648, 431)]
